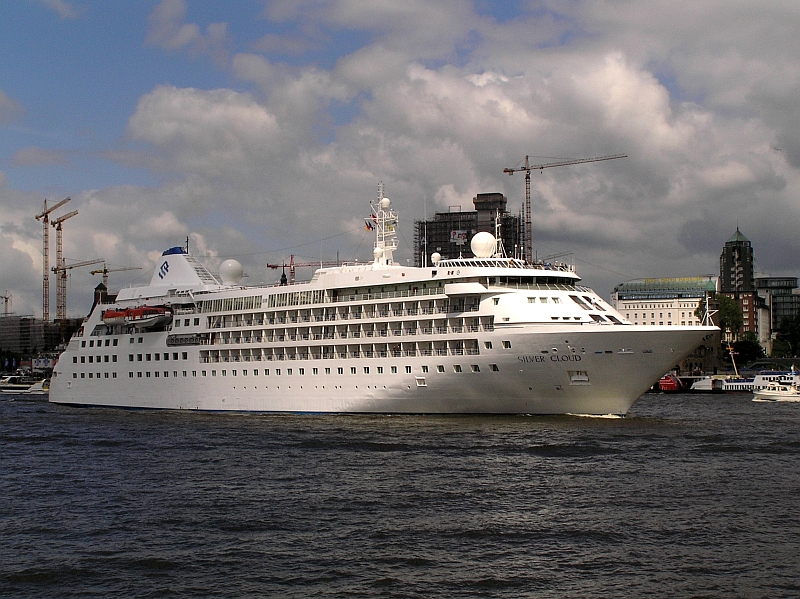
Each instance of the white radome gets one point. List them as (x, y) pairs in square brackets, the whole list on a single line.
[(483, 245), (231, 272)]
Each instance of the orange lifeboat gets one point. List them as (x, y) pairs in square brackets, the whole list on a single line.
[(142, 316)]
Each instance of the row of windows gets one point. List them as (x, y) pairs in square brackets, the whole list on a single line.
[(100, 343), (91, 359), (157, 357)]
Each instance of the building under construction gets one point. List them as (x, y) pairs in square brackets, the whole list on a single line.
[(449, 233)]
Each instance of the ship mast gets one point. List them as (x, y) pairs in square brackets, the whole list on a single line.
[(384, 221)]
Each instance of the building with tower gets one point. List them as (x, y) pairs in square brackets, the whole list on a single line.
[(449, 233), (737, 280)]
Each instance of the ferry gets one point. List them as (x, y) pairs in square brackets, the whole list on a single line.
[(485, 335)]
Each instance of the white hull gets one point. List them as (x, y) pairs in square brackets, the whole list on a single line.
[(526, 381)]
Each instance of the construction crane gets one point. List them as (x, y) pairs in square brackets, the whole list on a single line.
[(7, 298), (61, 271), (44, 216), (534, 167), (292, 265), (105, 270), (61, 281)]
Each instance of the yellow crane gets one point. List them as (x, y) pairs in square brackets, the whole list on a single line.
[(44, 216), (61, 281), (105, 270), (538, 167), (61, 270)]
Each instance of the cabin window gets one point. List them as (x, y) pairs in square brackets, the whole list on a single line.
[(74, 359), (147, 357), (380, 369), (457, 368), (494, 368), (487, 344), (352, 370), (424, 369), (394, 369), (184, 356), (506, 345), (440, 368), (340, 370), (115, 342)]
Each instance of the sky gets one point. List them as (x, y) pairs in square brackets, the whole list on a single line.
[(261, 129)]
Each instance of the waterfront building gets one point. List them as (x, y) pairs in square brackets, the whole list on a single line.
[(27, 336), (737, 280), (663, 301), (670, 302), (448, 233)]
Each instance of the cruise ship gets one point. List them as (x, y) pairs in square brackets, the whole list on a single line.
[(485, 335)]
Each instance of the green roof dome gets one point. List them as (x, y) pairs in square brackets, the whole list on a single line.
[(738, 237)]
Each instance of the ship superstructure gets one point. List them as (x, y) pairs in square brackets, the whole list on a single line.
[(489, 334)]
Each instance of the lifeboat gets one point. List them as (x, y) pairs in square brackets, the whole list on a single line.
[(142, 316)]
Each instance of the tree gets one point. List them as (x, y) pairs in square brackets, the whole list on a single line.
[(789, 332), (729, 315), (748, 348)]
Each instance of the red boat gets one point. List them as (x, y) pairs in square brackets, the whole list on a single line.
[(669, 383)]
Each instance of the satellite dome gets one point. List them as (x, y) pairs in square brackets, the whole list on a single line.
[(377, 253), (385, 202), (231, 272), (435, 257), (483, 245)]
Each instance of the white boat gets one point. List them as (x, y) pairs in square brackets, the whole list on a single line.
[(28, 388), (489, 334), (778, 392)]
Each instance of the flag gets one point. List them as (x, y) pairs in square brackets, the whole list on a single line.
[(369, 224)]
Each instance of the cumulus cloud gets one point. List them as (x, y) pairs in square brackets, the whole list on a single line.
[(167, 30), (65, 10), (436, 99), (10, 109)]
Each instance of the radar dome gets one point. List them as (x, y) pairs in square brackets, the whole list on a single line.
[(377, 253), (385, 202), (483, 245), (231, 272), (435, 257)]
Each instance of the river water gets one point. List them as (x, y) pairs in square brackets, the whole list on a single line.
[(689, 496)]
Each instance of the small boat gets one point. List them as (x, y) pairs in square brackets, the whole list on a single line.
[(28, 387), (778, 392), (141, 316), (708, 384), (669, 383)]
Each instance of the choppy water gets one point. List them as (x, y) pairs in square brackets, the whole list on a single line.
[(690, 496)]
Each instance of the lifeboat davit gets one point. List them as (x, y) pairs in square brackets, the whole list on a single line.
[(142, 316)]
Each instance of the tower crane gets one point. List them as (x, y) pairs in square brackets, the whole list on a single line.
[(292, 265), (533, 167), (105, 270), (61, 281), (61, 270), (7, 298), (44, 216)]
